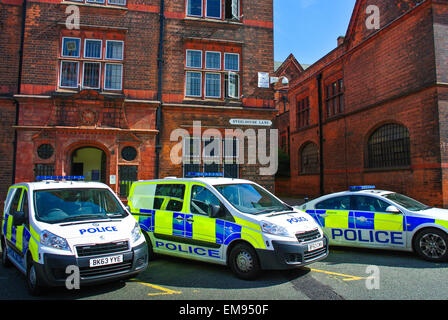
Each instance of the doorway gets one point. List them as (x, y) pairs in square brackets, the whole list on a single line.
[(89, 162)]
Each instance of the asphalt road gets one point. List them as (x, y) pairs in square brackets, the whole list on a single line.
[(346, 274)]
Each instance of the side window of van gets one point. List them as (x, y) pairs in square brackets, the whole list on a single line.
[(201, 199), (169, 197), (14, 207)]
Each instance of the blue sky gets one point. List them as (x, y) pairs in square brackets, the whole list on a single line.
[(309, 28)]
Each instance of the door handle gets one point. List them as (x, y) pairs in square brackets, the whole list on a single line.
[(323, 215), (190, 220)]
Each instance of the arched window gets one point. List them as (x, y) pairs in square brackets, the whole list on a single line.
[(388, 147), (309, 159)]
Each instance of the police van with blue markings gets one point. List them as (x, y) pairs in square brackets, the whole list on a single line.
[(50, 225), (370, 218), (225, 221)]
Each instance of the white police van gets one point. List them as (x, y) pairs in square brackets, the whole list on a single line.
[(225, 221), (50, 225)]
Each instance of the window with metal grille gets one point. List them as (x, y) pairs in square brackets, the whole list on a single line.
[(388, 147), (309, 159), (43, 169), (45, 151), (303, 112), (127, 175)]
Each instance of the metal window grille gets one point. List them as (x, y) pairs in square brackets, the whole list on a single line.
[(310, 159), (127, 175), (388, 147), (43, 170)]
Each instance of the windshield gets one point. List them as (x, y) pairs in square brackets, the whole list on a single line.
[(249, 198), (64, 205), (406, 202)]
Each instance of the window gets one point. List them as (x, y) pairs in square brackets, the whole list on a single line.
[(91, 75), (309, 159), (44, 170), (213, 60), (103, 2), (335, 98), (168, 197), (93, 49), (71, 47), (126, 175), (45, 151), (214, 9), (226, 74), (201, 200), (212, 85), (337, 203), (79, 71), (303, 113), (193, 84), (15, 201), (365, 203), (114, 50), (388, 147)]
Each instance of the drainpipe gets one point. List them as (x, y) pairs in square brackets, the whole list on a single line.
[(321, 136), (160, 62), (19, 90)]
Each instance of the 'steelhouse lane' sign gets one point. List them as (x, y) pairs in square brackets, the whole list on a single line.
[(251, 122)]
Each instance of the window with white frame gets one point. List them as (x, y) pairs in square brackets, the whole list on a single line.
[(214, 9), (218, 77), (83, 66), (104, 2)]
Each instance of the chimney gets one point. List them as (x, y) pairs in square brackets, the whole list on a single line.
[(340, 40)]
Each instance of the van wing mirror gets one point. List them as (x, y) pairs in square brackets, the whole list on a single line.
[(216, 211), (18, 218), (392, 209)]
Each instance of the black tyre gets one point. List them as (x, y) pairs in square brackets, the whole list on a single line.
[(33, 282), (5, 260), (243, 261), (151, 254), (432, 245)]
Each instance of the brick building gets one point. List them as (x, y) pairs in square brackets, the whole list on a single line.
[(373, 111), (97, 99)]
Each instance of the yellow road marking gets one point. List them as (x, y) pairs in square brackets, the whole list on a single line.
[(165, 291), (346, 276)]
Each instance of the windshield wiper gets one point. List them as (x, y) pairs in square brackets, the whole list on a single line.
[(82, 217)]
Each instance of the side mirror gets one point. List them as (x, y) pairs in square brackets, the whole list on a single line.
[(128, 208), (18, 218), (392, 209), (216, 211)]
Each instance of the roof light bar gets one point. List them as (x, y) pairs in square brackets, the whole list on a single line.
[(205, 174), (60, 178), (359, 188)]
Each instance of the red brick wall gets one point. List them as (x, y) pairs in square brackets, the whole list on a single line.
[(388, 78)]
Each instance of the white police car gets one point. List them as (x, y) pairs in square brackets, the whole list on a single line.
[(50, 225), (366, 217), (225, 221)]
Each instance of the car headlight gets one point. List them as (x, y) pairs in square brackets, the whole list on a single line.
[(51, 240), (136, 233), (274, 229)]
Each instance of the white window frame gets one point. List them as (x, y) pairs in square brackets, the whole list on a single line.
[(99, 75), (205, 85), (186, 58), (232, 54), (122, 51), (220, 60), (201, 85), (77, 72), (62, 47), (121, 82), (85, 47), (193, 15), (95, 1), (116, 4), (220, 10), (229, 74)]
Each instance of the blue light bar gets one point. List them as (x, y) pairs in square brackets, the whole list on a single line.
[(205, 174), (60, 178), (359, 188)]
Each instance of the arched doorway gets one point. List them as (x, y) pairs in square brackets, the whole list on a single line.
[(89, 162)]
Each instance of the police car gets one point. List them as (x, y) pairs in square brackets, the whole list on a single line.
[(366, 217), (225, 221), (50, 225)]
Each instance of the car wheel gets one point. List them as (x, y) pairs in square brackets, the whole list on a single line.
[(151, 254), (243, 261), (32, 279), (5, 260), (432, 245)]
